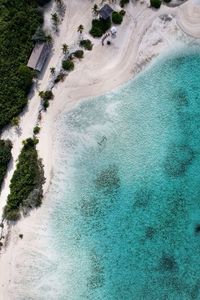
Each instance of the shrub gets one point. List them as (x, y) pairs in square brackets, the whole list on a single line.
[(87, 44), (28, 177), (167, 1), (60, 77), (99, 27), (155, 3), (45, 104), (78, 53), (47, 95), (5, 157), (123, 2), (96, 32), (68, 65), (122, 12), (36, 129), (117, 18)]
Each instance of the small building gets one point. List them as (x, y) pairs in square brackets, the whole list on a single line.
[(38, 56), (105, 12)]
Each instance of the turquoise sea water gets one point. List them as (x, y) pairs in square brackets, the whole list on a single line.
[(126, 189)]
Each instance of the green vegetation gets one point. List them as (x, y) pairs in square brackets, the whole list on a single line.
[(80, 29), (123, 2), (19, 21), (68, 65), (65, 48), (95, 9), (39, 36), (55, 20), (122, 12), (155, 3), (5, 157), (60, 77), (52, 70), (45, 104), (15, 121), (36, 129), (26, 184), (117, 17), (46, 96), (78, 53), (42, 2), (86, 44), (99, 27)]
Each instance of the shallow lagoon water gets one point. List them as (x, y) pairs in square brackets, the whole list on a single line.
[(126, 190)]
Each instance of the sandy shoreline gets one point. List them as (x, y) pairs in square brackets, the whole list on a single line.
[(142, 36)]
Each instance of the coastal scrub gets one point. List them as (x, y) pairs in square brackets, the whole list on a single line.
[(26, 184), (78, 54), (86, 44), (99, 27), (117, 17), (68, 65)]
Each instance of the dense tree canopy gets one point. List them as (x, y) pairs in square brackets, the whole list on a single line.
[(19, 21), (26, 183), (42, 2), (5, 157)]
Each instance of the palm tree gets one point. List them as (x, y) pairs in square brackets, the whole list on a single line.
[(95, 10), (65, 48), (49, 39), (59, 2), (55, 20), (15, 121), (52, 70), (60, 5), (80, 29)]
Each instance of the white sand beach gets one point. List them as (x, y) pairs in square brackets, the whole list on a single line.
[(144, 34)]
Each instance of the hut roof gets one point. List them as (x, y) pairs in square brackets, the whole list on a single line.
[(105, 12), (38, 56)]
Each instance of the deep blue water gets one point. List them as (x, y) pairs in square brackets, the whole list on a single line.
[(126, 223)]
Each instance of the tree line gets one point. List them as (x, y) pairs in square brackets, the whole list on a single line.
[(26, 184), (19, 21)]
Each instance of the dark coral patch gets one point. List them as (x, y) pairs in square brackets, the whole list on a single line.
[(142, 198), (149, 232), (180, 97), (96, 279), (168, 263), (90, 207), (197, 229), (108, 180), (178, 160)]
